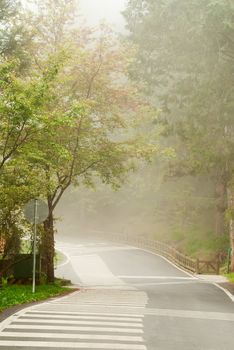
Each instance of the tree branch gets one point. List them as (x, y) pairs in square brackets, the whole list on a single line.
[(15, 146)]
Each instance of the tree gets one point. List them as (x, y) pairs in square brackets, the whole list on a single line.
[(22, 102), (89, 134), (72, 117), (185, 67), (15, 35), (85, 132)]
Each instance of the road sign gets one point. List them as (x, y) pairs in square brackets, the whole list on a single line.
[(42, 211)]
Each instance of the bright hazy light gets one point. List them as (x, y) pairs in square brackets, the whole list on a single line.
[(98, 10)]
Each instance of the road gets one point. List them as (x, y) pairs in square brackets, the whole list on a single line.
[(130, 299)]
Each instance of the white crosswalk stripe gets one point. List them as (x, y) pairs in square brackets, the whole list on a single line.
[(75, 336), (79, 313), (76, 317), (77, 328), (75, 345), (82, 322), (53, 325)]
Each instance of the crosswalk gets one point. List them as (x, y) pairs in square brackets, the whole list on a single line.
[(91, 319)]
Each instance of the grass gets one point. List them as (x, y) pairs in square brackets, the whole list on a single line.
[(230, 277), (11, 295)]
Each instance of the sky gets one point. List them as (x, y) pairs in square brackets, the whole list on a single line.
[(109, 10)]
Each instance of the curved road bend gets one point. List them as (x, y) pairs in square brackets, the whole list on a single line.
[(131, 299)]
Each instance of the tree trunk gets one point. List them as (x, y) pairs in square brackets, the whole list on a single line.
[(231, 224), (221, 206), (48, 251)]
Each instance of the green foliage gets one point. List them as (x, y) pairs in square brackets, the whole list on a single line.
[(230, 277), (15, 34), (205, 244), (185, 58), (22, 103), (11, 295), (70, 118), (22, 106), (188, 76), (70, 115), (4, 281)]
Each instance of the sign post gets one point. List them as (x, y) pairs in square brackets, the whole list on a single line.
[(36, 211), (34, 246)]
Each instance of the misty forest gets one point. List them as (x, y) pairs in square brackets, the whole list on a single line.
[(128, 133)]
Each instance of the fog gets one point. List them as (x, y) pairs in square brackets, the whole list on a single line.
[(174, 211), (108, 86), (104, 10), (117, 174)]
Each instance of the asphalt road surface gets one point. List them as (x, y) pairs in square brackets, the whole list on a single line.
[(130, 299)]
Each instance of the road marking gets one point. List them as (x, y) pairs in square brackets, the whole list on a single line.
[(39, 326), (86, 323), (75, 317), (71, 345), (78, 328), (103, 303), (100, 305), (157, 277), (162, 283), (72, 336), (230, 295), (99, 301), (34, 311), (104, 298), (93, 302), (106, 286)]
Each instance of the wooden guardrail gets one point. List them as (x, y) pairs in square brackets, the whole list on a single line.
[(193, 265)]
